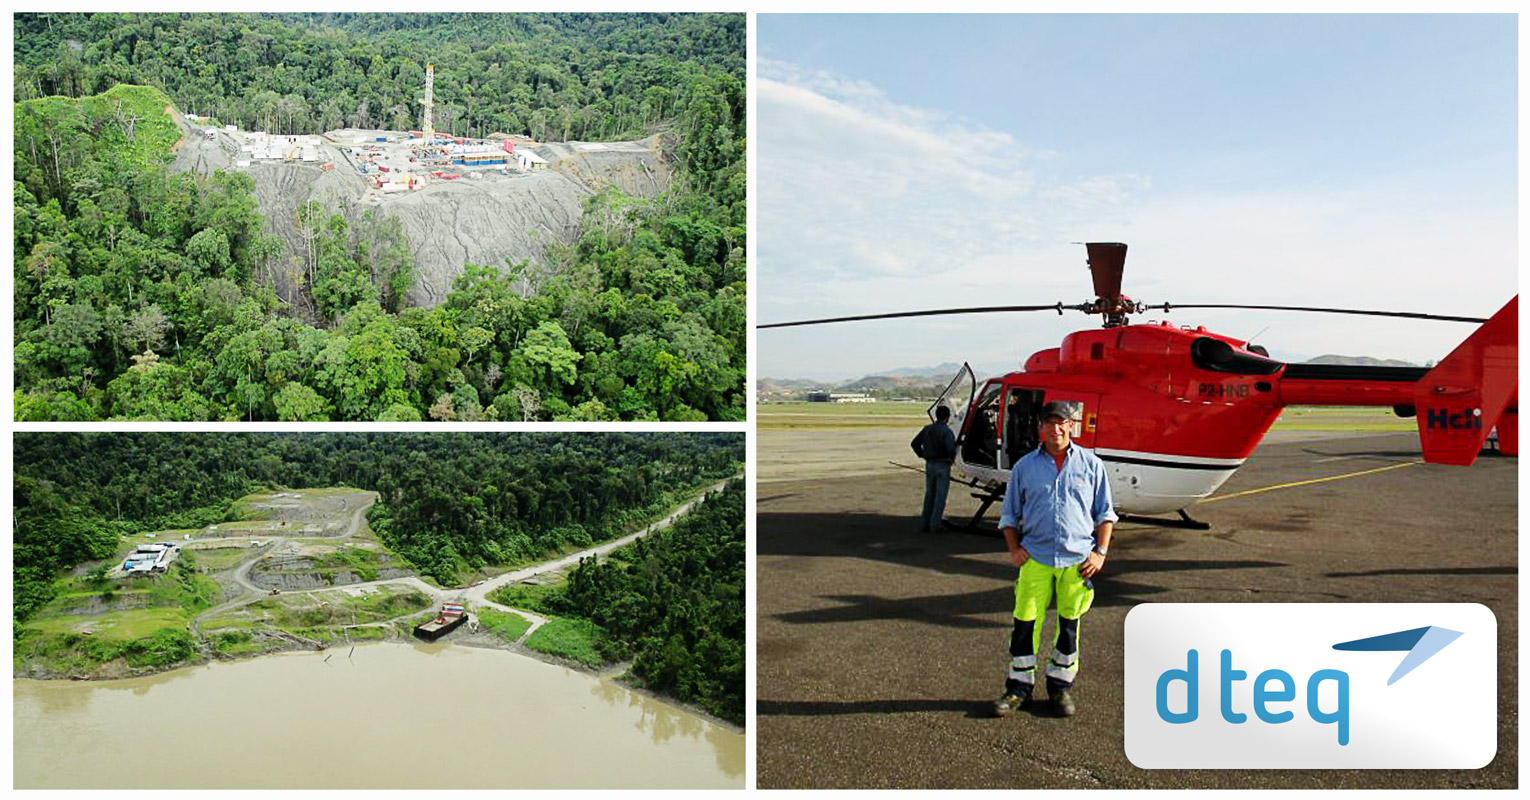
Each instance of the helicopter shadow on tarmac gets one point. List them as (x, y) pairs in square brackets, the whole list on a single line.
[(1378, 455), (1454, 571), (889, 540), (827, 708), (930, 564)]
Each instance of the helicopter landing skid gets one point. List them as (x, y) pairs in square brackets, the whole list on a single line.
[(1185, 522), (985, 499)]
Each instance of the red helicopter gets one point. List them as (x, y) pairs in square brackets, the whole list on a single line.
[(1174, 411)]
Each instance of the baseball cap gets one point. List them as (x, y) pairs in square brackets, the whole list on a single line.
[(1067, 409)]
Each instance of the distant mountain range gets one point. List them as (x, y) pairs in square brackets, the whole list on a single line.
[(893, 379), (918, 381), (1359, 361), (947, 369)]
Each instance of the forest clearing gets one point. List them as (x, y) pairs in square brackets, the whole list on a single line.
[(494, 212), (303, 572)]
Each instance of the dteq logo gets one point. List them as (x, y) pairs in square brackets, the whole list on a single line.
[(1311, 686)]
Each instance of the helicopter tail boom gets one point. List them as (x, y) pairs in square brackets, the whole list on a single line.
[(1458, 403)]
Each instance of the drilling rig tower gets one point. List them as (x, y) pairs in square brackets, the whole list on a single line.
[(430, 86)]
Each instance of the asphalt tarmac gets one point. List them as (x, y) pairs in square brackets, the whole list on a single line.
[(880, 649)]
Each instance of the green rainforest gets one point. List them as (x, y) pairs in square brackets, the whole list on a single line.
[(144, 293)]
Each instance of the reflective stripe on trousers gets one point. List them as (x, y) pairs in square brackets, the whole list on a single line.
[(1022, 669)]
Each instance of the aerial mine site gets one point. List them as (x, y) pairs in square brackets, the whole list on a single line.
[(467, 218), (460, 200)]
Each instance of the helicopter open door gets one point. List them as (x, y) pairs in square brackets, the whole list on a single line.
[(1022, 422), (1003, 425), (979, 439), (957, 396)]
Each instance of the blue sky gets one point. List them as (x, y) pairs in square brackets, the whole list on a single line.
[(918, 161)]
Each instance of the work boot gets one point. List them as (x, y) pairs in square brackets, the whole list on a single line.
[(1062, 704), (1009, 704)]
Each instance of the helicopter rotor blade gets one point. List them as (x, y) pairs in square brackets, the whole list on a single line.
[(1106, 261), (1167, 307), (1058, 307)]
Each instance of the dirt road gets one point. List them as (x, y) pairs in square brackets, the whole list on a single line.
[(478, 595), (241, 573)]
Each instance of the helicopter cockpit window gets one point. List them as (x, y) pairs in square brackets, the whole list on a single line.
[(1021, 425), (980, 443)]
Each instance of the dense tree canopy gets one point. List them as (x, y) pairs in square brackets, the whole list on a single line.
[(549, 76), (674, 603), (145, 294)]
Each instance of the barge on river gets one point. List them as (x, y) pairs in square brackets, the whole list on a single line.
[(451, 617)]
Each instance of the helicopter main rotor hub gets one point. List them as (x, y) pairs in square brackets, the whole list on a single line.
[(1114, 309)]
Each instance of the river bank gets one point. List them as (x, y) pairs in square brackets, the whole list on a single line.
[(483, 639), (381, 716)]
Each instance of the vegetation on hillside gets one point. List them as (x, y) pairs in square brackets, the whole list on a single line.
[(549, 76)]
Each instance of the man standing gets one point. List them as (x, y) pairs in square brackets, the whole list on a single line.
[(936, 444), (1060, 495)]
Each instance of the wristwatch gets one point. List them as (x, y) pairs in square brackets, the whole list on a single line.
[(1100, 550)]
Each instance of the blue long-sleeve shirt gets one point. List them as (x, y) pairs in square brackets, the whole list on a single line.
[(1060, 508)]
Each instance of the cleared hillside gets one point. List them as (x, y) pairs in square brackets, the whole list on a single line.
[(449, 224)]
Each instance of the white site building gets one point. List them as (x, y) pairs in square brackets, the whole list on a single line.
[(840, 397), (528, 160), (149, 559)]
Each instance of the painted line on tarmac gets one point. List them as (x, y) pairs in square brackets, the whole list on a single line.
[(1310, 482)]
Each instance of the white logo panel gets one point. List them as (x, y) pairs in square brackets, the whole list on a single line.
[(1263, 686)]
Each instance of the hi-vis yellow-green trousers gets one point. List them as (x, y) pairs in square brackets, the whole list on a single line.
[(1034, 590)]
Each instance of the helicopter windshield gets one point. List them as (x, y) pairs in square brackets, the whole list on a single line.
[(957, 396)]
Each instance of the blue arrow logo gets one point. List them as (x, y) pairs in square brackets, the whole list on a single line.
[(1421, 644)]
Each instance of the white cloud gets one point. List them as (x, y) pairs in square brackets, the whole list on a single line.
[(855, 189), (867, 205)]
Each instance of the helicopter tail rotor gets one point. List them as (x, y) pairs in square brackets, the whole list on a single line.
[(1106, 262), (1473, 390)]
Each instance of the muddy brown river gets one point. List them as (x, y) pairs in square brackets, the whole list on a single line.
[(391, 716)]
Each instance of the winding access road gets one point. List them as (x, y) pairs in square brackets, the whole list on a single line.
[(472, 596)]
